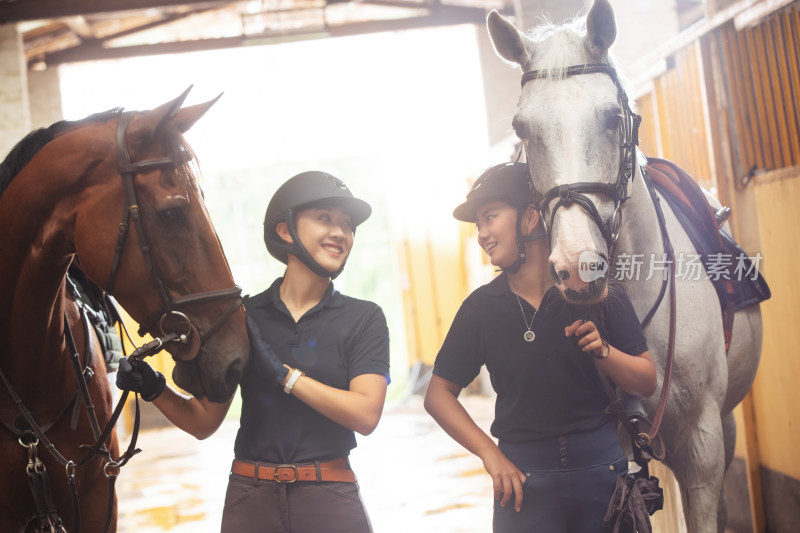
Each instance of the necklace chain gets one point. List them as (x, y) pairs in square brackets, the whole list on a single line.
[(529, 335)]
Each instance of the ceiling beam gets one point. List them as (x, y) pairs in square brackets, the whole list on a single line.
[(79, 26), (23, 10), (94, 51)]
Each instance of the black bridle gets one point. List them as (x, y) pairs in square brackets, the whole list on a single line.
[(571, 193), (170, 314)]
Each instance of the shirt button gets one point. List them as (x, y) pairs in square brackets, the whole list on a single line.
[(562, 440), (562, 450), (564, 461)]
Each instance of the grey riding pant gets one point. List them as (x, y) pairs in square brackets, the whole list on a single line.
[(264, 506)]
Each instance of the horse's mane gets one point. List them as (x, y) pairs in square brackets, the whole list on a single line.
[(29, 146), (556, 47)]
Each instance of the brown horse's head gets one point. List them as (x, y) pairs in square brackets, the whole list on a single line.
[(169, 272)]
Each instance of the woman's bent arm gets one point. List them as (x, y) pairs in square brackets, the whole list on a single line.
[(198, 417), (441, 402), (359, 408)]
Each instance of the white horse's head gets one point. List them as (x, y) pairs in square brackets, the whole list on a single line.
[(578, 131)]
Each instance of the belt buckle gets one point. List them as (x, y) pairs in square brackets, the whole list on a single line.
[(277, 469)]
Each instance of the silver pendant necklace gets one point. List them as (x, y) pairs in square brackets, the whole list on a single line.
[(529, 335)]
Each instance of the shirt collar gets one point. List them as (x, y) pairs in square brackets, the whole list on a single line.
[(331, 298), (499, 287)]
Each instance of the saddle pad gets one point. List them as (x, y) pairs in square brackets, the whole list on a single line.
[(738, 284)]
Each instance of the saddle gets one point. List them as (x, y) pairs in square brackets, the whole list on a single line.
[(736, 279), (101, 311)]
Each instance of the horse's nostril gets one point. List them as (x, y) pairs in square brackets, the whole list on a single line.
[(563, 274), (554, 275), (234, 374)]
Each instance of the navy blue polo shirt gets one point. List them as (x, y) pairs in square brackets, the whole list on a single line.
[(545, 388), (335, 341)]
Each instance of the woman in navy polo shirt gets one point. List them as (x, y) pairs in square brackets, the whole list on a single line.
[(555, 463), (318, 372)]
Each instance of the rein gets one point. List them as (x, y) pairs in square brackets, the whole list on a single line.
[(576, 193), (670, 253)]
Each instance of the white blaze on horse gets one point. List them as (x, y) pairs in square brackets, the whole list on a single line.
[(578, 132)]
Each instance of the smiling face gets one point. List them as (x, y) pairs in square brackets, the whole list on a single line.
[(497, 232), (325, 232)]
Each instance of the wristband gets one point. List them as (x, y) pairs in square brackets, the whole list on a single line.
[(296, 374)]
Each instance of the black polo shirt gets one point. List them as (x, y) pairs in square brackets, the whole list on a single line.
[(545, 388), (338, 339)]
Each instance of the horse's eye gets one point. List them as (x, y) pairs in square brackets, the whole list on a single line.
[(171, 214), (612, 121)]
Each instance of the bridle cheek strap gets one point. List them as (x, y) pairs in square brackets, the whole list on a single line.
[(576, 192), (127, 171)]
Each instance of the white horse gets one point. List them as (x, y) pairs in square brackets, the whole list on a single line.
[(574, 125)]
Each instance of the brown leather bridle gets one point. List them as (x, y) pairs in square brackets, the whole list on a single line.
[(170, 313)]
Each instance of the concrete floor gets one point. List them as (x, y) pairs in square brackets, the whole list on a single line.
[(413, 477)]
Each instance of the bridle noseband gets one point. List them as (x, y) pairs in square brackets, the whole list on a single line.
[(566, 195), (170, 311)]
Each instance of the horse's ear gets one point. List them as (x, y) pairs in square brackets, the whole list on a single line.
[(186, 117), (166, 111), (509, 42), (601, 28)]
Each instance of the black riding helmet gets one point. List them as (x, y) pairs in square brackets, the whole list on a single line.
[(507, 182), (301, 192)]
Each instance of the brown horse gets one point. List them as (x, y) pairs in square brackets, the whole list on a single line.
[(117, 191)]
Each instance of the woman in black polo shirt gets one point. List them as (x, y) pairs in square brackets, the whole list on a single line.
[(555, 464), (318, 372)]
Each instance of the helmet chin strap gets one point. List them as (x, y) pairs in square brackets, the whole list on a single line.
[(302, 254), (514, 267)]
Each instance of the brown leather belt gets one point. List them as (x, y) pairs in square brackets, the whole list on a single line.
[(336, 470)]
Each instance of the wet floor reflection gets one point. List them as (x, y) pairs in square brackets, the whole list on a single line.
[(413, 477)]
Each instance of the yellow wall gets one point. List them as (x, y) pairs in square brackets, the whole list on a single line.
[(775, 392), (433, 289)]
